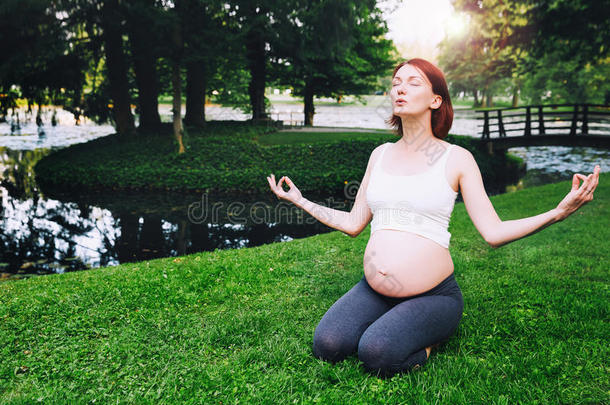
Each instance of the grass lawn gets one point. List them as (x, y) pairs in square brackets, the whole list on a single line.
[(236, 326)]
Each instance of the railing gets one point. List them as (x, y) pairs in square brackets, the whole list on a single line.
[(551, 119), (292, 118)]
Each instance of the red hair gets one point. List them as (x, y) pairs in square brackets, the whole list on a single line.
[(442, 117)]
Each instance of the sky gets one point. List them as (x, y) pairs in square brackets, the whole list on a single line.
[(417, 26)]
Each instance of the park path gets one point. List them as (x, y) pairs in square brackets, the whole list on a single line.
[(333, 129)]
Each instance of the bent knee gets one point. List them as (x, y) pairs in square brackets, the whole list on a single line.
[(330, 347), (376, 356)]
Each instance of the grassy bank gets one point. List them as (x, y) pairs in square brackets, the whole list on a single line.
[(237, 326), (231, 158)]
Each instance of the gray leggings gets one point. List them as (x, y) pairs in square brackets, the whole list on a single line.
[(390, 334)]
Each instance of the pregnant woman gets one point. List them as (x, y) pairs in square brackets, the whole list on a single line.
[(408, 300)]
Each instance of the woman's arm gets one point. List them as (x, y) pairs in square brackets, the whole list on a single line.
[(340, 220), (351, 223), (337, 219), (515, 229), (497, 232)]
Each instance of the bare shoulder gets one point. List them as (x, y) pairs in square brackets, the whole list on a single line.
[(461, 160), (375, 154)]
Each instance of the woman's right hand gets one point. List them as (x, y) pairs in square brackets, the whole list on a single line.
[(577, 197), (293, 195)]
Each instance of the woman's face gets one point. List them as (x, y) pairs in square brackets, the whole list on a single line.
[(411, 92)]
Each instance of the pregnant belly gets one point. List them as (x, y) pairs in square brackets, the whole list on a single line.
[(402, 264)]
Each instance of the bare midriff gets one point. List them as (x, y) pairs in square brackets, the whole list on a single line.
[(402, 264)]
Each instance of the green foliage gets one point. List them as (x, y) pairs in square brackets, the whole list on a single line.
[(488, 51), (554, 80), (549, 51), (578, 31), (333, 48), (35, 53)]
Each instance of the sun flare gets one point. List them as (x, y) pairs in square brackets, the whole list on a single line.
[(418, 26)]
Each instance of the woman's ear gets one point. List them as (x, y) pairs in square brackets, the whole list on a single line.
[(436, 102)]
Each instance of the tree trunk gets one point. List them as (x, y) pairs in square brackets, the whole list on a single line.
[(181, 238), (515, 96), (117, 68), (309, 107), (145, 67), (255, 53), (127, 243), (476, 97), (176, 85), (151, 238), (485, 97), (195, 94)]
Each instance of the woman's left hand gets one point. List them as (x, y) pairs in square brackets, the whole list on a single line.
[(577, 197)]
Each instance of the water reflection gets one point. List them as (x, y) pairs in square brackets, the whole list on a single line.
[(23, 131), (551, 164), (58, 232)]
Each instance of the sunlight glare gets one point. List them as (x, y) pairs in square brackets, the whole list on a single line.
[(418, 26)]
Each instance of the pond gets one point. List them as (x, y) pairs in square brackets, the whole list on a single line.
[(59, 232)]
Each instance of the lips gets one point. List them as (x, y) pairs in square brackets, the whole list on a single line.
[(400, 101)]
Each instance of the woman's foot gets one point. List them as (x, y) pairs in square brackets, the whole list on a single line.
[(429, 349)]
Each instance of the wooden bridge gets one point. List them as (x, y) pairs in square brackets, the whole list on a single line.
[(552, 124)]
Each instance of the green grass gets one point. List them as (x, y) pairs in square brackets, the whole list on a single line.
[(236, 326)]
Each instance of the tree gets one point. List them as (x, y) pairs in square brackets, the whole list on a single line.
[(111, 21), (332, 48), (176, 57), (145, 22), (209, 40), (491, 50), (576, 30), (36, 55), (254, 19)]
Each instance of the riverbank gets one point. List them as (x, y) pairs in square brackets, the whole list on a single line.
[(238, 324), (234, 158)]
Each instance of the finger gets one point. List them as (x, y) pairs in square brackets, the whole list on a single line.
[(596, 171), (576, 180), (272, 184)]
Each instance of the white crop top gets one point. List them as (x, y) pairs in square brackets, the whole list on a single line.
[(420, 203)]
